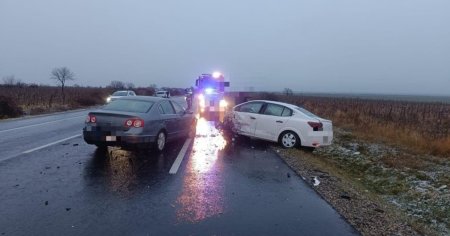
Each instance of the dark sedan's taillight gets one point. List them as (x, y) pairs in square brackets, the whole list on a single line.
[(135, 122), (317, 126), (91, 119)]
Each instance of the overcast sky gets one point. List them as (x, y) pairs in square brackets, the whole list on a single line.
[(360, 46)]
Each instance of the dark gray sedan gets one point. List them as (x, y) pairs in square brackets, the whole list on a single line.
[(138, 122)]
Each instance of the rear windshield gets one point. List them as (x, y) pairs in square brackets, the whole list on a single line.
[(129, 106), (306, 112), (120, 93), (161, 92)]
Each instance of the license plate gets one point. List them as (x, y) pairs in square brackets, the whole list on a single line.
[(325, 139), (111, 138)]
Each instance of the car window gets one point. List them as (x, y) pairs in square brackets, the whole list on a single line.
[(178, 108), (167, 108), (120, 93), (287, 112), (160, 109), (273, 109), (251, 107), (306, 112), (129, 106)]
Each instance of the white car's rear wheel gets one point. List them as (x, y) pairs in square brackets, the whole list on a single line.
[(289, 139)]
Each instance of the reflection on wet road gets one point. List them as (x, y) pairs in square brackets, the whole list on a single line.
[(125, 173), (202, 194)]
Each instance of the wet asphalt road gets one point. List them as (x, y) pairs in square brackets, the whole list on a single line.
[(221, 187)]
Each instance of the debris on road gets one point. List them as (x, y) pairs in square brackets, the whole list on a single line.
[(46, 203), (315, 181), (345, 195)]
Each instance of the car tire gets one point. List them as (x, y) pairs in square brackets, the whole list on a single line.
[(161, 140), (289, 139), (192, 130), (101, 146)]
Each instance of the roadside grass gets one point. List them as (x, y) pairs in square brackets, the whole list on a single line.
[(33, 99), (367, 210), (414, 185)]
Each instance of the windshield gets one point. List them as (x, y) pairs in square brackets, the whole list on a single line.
[(306, 112), (129, 106), (120, 93)]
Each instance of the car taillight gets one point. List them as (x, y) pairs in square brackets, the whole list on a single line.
[(135, 122), (91, 119), (317, 126)]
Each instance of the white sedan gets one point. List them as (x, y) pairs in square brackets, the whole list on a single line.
[(288, 124)]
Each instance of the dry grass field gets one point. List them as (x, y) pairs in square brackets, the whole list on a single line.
[(30, 100)]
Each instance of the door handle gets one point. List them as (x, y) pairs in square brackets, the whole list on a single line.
[(253, 118), (279, 121)]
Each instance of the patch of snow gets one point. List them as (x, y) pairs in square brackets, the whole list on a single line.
[(442, 187)]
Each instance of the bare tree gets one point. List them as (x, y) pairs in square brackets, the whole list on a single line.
[(117, 84), (62, 75), (11, 80), (288, 92)]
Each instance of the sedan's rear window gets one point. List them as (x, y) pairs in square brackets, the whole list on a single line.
[(306, 112), (129, 106)]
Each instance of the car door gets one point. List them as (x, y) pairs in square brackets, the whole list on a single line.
[(245, 117), (170, 119), (272, 119), (184, 119)]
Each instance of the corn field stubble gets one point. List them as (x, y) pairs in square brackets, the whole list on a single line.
[(40, 99)]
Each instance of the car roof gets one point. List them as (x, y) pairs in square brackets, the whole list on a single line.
[(278, 103)]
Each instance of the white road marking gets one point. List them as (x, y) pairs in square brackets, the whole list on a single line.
[(50, 144), (48, 122), (176, 164)]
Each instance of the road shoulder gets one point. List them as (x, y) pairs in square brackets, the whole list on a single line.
[(364, 211)]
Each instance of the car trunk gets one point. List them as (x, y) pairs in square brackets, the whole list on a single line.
[(111, 121)]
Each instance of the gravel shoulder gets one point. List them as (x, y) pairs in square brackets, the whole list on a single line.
[(379, 189)]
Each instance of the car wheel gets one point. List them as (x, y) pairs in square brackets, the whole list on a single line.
[(160, 143), (289, 139), (101, 146)]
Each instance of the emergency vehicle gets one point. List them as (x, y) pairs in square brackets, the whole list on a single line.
[(210, 95)]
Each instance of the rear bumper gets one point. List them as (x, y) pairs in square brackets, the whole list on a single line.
[(100, 138), (317, 139)]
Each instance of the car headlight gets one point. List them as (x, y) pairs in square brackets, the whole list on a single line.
[(108, 99), (223, 103)]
